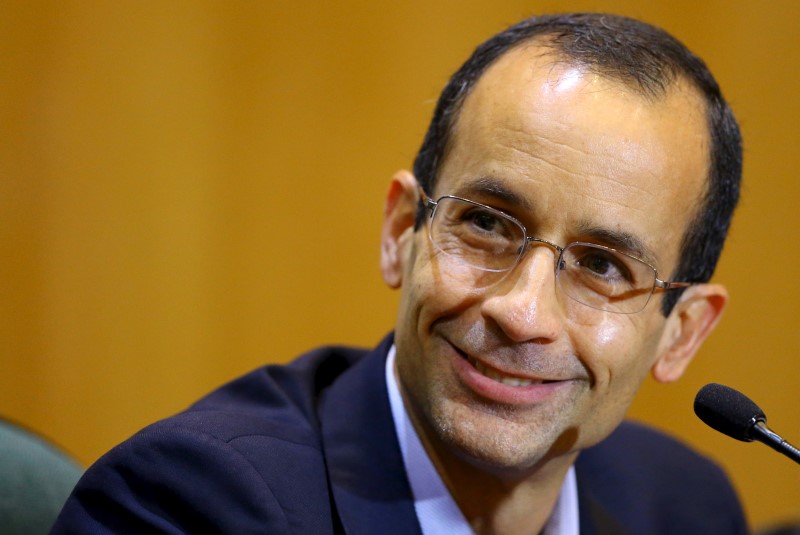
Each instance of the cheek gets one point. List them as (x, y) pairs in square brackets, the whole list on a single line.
[(423, 298), (617, 350), (436, 289)]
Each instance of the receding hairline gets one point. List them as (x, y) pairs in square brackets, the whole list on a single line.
[(673, 82), (651, 89)]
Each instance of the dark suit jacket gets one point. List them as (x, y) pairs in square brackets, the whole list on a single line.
[(310, 448)]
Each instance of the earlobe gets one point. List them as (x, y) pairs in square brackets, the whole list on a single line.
[(398, 225), (688, 325)]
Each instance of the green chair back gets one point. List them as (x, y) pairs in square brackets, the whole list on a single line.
[(35, 479)]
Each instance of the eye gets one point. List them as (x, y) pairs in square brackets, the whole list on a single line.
[(472, 228), (604, 264), (486, 221), (598, 265)]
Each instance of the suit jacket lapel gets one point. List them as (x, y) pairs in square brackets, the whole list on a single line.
[(368, 481)]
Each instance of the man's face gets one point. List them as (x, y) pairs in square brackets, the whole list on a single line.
[(503, 370)]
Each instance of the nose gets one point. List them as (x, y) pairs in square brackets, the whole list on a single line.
[(525, 304)]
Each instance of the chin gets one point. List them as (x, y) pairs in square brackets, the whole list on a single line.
[(495, 443)]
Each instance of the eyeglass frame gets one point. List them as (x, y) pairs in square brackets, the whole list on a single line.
[(658, 284)]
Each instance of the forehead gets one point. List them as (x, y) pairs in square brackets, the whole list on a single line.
[(584, 150)]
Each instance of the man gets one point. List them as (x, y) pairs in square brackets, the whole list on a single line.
[(553, 247)]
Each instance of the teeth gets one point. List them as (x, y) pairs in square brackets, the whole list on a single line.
[(501, 377)]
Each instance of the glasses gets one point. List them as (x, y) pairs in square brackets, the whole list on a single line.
[(487, 239)]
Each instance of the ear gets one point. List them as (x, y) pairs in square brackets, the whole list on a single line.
[(399, 213), (690, 322)]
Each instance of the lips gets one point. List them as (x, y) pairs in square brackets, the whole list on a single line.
[(500, 377), (492, 384)]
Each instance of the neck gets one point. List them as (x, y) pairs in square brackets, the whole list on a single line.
[(499, 503)]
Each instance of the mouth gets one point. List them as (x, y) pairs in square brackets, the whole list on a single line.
[(507, 387), (502, 377)]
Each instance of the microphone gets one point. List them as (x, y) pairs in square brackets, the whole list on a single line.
[(732, 413)]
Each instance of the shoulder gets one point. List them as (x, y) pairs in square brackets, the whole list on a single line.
[(276, 400), (634, 444), (275, 405), (658, 484), (237, 461)]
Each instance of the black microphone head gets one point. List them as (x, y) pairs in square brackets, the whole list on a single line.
[(727, 410)]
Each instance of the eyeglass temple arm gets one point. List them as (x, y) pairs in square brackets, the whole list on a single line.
[(426, 201), (667, 285)]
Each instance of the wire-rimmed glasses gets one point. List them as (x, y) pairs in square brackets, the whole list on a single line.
[(488, 239)]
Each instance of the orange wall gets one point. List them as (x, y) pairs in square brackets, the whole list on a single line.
[(191, 189)]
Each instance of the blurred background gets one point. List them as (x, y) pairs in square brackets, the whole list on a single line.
[(192, 189)]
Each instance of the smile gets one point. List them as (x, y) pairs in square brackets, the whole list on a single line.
[(502, 387), (501, 377)]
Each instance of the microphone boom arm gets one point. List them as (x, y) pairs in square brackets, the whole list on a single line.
[(759, 431)]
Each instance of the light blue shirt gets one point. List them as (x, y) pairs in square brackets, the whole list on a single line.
[(437, 512)]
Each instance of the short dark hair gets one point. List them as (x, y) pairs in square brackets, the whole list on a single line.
[(643, 57)]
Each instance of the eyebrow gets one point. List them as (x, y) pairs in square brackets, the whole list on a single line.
[(619, 240), (491, 187)]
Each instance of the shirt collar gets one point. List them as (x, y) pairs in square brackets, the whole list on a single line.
[(436, 510)]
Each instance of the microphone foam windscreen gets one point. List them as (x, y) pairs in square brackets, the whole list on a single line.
[(727, 410)]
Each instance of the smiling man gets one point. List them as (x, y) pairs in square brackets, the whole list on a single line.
[(552, 247)]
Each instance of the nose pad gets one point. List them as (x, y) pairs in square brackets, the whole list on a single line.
[(525, 304)]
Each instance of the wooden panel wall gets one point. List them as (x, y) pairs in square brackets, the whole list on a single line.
[(190, 189)]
